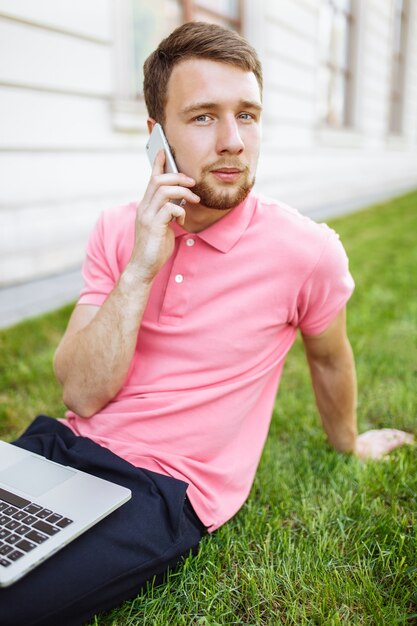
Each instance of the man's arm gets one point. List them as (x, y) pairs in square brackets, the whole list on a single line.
[(93, 358), (333, 375), (94, 355)]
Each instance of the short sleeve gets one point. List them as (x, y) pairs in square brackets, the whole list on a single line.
[(327, 288), (98, 274)]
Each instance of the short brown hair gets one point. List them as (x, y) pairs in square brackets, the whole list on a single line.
[(193, 39)]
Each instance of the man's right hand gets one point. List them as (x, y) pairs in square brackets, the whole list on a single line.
[(154, 239), (93, 358)]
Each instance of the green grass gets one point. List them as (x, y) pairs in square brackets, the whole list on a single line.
[(323, 538)]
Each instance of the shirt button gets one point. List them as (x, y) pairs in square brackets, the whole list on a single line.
[(179, 278), (190, 242)]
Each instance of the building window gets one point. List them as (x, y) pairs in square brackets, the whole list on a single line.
[(226, 13), (143, 23), (335, 79), (399, 45)]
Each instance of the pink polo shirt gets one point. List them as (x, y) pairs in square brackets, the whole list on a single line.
[(222, 314)]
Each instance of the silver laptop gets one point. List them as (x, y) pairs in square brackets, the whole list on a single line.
[(44, 506)]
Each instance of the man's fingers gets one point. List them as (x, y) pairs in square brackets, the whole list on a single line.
[(160, 181), (163, 195), (166, 193), (388, 436), (375, 444), (169, 212), (396, 436), (159, 163)]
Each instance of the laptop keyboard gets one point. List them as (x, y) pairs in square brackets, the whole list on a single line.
[(24, 525)]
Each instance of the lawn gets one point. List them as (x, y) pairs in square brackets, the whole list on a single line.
[(323, 538)]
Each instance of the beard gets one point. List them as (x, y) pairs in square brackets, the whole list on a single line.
[(225, 199)]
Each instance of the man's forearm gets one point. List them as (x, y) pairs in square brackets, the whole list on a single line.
[(334, 384), (93, 363)]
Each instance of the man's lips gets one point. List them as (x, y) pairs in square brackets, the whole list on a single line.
[(227, 174)]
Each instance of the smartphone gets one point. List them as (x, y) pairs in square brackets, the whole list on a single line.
[(157, 141)]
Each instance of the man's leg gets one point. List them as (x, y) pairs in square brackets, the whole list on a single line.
[(113, 560)]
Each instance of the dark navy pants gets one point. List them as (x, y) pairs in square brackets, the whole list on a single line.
[(112, 561)]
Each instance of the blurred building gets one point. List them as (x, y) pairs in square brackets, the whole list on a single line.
[(340, 121)]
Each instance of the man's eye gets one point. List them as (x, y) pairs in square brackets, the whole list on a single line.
[(201, 118), (246, 116)]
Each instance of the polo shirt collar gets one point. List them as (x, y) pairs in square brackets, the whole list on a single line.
[(227, 231)]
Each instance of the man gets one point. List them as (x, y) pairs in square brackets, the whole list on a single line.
[(172, 357)]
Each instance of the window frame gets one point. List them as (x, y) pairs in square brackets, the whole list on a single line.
[(349, 74), (395, 122), (128, 111)]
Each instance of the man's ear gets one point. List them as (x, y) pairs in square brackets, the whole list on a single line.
[(151, 123)]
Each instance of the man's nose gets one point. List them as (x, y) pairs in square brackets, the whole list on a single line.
[(229, 139)]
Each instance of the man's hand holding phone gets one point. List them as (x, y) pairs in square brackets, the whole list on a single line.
[(154, 239)]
